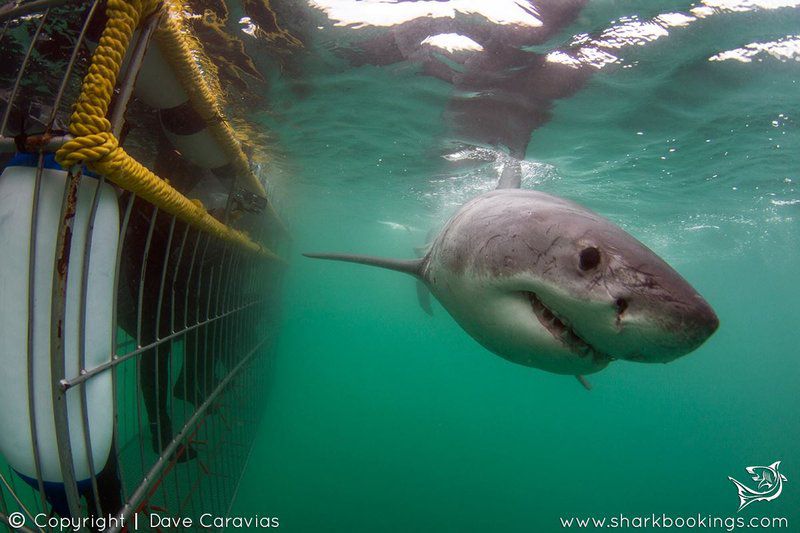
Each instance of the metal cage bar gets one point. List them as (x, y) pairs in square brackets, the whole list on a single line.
[(187, 314), (82, 343), (21, 73), (57, 347), (30, 333)]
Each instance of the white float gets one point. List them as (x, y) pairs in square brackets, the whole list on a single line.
[(17, 184), (159, 87)]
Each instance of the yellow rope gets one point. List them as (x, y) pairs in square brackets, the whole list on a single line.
[(177, 51), (95, 145)]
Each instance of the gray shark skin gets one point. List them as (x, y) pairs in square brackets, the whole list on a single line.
[(546, 283)]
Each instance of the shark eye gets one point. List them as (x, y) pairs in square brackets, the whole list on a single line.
[(589, 258)]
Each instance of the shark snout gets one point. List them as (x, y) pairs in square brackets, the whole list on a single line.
[(700, 321), (671, 330)]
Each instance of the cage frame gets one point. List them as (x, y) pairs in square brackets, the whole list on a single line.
[(227, 299)]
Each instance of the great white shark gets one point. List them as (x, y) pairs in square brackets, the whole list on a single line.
[(544, 282)]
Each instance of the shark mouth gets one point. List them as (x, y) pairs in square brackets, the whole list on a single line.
[(562, 331)]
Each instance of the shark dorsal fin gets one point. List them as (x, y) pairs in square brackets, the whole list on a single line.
[(511, 176)]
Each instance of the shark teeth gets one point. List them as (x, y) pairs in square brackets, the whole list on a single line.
[(561, 330)]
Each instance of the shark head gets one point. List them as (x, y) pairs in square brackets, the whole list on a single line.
[(545, 282)]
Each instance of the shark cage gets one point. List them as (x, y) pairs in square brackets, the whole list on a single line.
[(139, 271)]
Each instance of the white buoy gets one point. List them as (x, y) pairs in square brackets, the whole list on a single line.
[(159, 87), (17, 184)]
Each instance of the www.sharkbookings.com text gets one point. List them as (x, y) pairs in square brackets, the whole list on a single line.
[(143, 522)]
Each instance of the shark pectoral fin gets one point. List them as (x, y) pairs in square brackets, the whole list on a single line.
[(411, 267), (424, 297), (583, 381)]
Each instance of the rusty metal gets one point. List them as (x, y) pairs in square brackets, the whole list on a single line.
[(57, 342)]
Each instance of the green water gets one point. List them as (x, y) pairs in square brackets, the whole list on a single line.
[(380, 418)]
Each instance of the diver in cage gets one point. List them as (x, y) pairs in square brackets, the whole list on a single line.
[(163, 292)]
